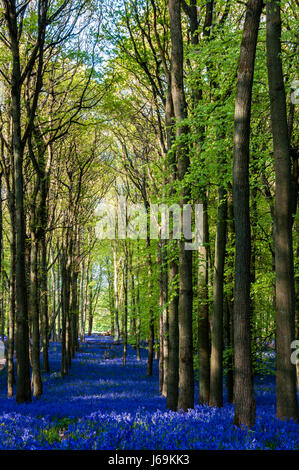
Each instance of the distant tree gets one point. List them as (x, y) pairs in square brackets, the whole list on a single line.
[(286, 405)]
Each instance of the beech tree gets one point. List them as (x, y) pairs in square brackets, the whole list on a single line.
[(243, 385), (164, 103), (286, 406)]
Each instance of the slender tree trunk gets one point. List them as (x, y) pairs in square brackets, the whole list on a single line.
[(216, 389), (90, 313), (68, 326), (173, 312), (12, 300), (54, 290), (2, 313), (36, 381), (253, 272), (138, 319), (133, 303), (163, 321), (203, 311), (112, 309), (59, 283), (286, 404), (75, 310), (186, 377), (44, 305), (243, 387), (85, 295), (85, 302), (151, 338), (297, 303), (64, 307), (23, 393), (230, 305), (203, 270), (173, 343), (165, 325), (161, 354), (90, 310), (116, 297), (229, 345), (82, 335), (44, 275), (125, 287)]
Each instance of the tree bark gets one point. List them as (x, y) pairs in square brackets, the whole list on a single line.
[(230, 304), (90, 309), (36, 381), (116, 297), (286, 403), (186, 377), (125, 287), (23, 393), (163, 320), (64, 313), (12, 297), (172, 383), (151, 337), (203, 312)]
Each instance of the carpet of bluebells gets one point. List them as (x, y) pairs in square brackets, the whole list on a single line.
[(103, 405)]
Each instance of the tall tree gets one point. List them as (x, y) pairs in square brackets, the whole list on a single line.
[(11, 16), (243, 379), (186, 375), (286, 404), (116, 295), (216, 389)]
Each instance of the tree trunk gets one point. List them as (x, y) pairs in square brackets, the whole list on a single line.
[(75, 310), (23, 393), (151, 338), (133, 303), (230, 305), (163, 320), (173, 312), (90, 310), (12, 300), (116, 298), (243, 387), (44, 305), (216, 389), (125, 287), (203, 312), (138, 319), (2, 313), (186, 378), (44, 272), (164, 317), (68, 304), (203, 269), (297, 303), (82, 334), (286, 403), (64, 308), (36, 381)]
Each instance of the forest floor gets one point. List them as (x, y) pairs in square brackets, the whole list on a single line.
[(103, 405)]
